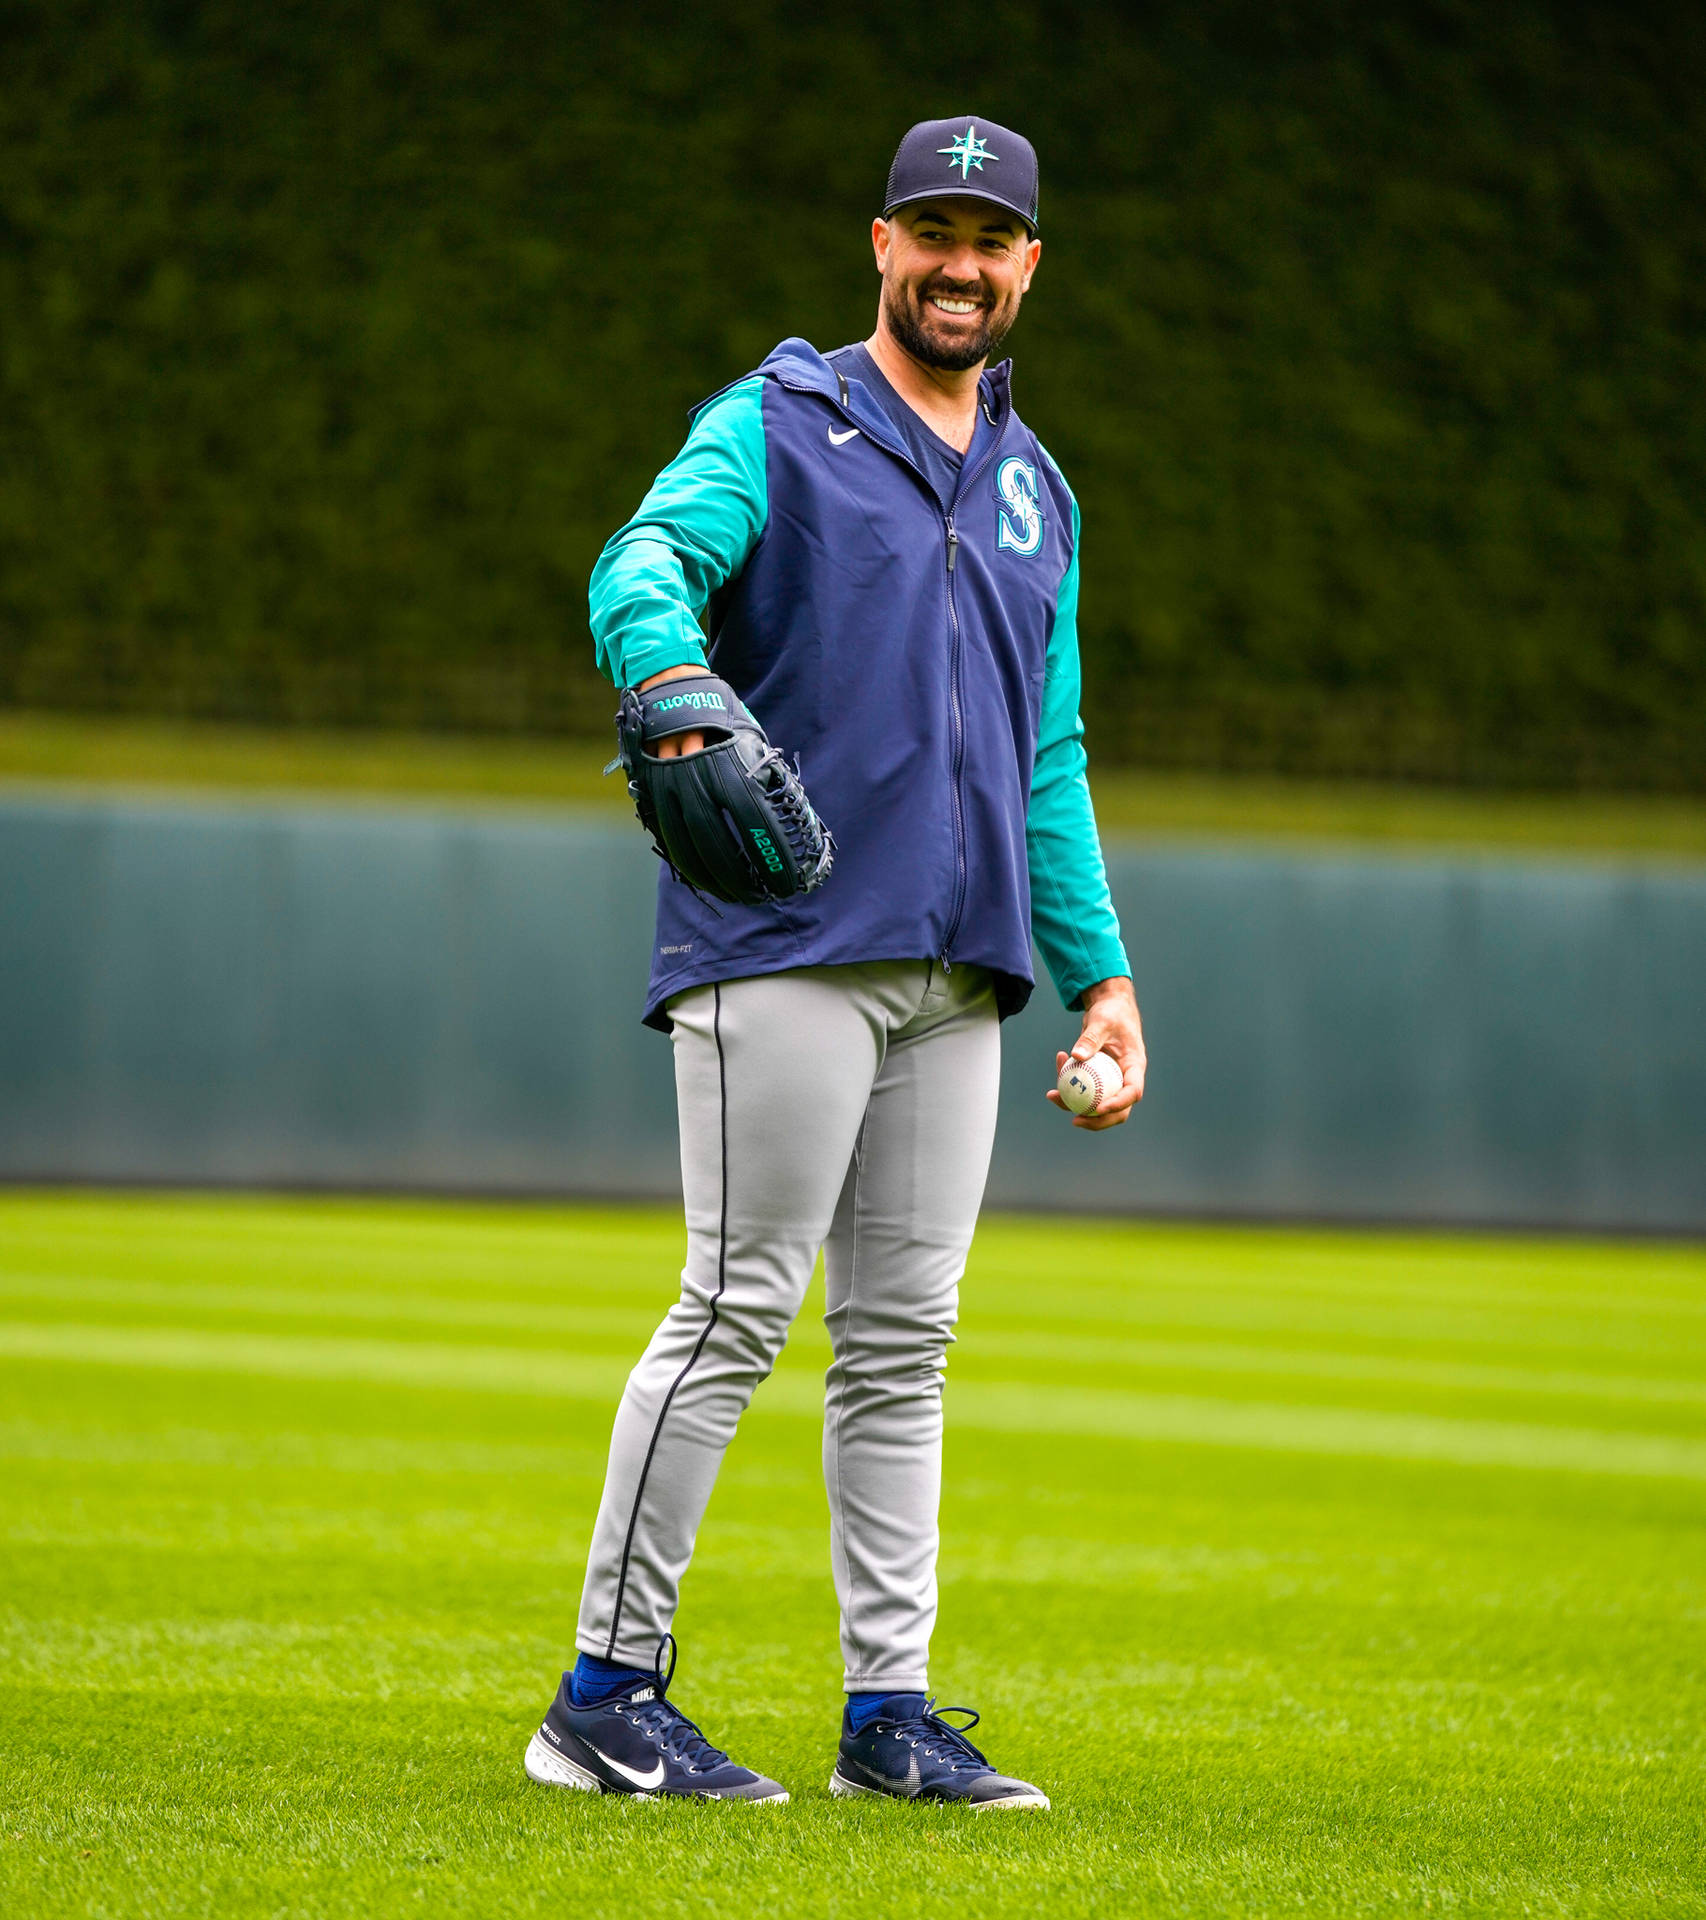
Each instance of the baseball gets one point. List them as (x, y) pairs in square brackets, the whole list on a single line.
[(1086, 1086)]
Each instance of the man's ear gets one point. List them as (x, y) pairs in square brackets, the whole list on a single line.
[(882, 238)]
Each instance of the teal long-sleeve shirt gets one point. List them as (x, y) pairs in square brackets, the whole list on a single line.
[(693, 533)]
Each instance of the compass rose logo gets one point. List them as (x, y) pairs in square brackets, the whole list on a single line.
[(968, 151)]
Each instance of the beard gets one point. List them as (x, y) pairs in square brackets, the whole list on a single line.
[(914, 326)]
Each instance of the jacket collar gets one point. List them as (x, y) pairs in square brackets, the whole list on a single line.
[(798, 365)]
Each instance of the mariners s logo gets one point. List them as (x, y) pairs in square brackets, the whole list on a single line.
[(1019, 524)]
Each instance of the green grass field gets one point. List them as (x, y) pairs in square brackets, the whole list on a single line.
[(59, 750), (1321, 1573)]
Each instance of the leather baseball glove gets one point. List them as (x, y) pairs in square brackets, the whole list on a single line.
[(732, 820)]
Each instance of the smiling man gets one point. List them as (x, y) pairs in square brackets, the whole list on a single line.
[(886, 560)]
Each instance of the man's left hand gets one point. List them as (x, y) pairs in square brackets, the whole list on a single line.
[(1112, 1025)]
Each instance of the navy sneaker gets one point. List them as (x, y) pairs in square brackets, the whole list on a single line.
[(915, 1755), (635, 1742)]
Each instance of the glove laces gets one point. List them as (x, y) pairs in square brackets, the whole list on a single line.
[(812, 844)]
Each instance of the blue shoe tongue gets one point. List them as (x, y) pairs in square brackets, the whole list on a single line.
[(902, 1706)]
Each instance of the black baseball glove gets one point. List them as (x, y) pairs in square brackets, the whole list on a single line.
[(732, 820)]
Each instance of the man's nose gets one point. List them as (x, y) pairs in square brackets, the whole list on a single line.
[(962, 266)]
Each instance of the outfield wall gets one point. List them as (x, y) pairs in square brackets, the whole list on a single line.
[(285, 995)]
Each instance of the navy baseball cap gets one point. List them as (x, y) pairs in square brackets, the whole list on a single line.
[(968, 158)]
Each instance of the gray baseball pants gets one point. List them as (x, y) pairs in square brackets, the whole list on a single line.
[(850, 1108)]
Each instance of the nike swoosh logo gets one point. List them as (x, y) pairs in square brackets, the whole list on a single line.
[(907, 1787), (841, 439), (632, 1774)]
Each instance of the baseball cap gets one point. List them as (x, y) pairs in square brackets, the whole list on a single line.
[(968, 158)]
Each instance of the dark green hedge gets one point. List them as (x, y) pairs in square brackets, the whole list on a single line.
[(335, 337)]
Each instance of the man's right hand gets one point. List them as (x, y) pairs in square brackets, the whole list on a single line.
[(677, 743)]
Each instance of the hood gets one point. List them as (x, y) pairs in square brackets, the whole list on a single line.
[(797, 364)]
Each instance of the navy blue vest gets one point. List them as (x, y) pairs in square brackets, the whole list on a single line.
[(897, 649)]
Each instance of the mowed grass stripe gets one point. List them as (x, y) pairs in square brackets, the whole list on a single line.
[(1451, 1306), (324, 1241), (56, 1444), (986, 1405), (470, 1309), (1032, 1343), (1103, 1327), (1215, 1307)]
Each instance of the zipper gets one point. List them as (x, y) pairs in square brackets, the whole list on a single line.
[(958, 728), (957, 715)]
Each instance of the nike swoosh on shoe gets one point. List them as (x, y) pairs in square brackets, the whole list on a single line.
[(643, 1782), (906, 1789)]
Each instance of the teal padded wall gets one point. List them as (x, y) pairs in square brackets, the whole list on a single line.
[(327, 997), (1454, 1041), (296, 995)]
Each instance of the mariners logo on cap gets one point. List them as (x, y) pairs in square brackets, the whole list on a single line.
[(1005, 179), (968, 151)]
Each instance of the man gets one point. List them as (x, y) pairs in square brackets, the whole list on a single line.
[(888, 563)]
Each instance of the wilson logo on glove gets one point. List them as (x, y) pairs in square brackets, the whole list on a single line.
[(693, 700), (731, 821)]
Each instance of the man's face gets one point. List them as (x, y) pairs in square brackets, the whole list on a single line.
[(954, 272)]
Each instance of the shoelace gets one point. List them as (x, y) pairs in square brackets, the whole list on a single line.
[(676, 1736), (940, 1741)]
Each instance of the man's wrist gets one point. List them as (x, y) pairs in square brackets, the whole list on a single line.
[(671, 673), (1116, 986)]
